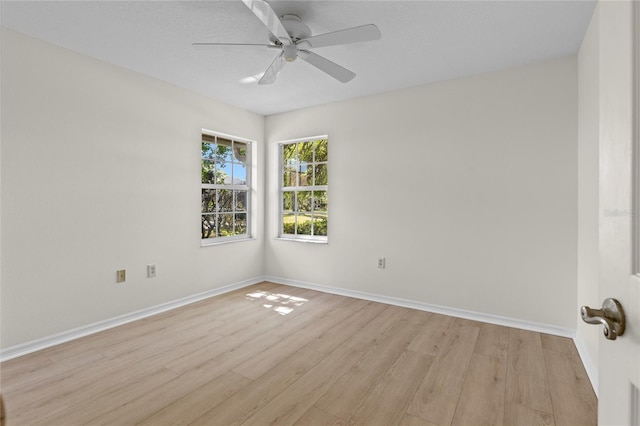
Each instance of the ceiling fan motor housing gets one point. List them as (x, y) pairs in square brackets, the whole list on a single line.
[(296, 29)]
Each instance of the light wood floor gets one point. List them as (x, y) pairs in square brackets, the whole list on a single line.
[(272, 354)]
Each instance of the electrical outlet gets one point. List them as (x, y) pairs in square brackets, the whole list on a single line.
[(121, 275), (381, 262), (151, 271)]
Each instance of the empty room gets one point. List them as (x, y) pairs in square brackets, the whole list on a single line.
[(257, 212)]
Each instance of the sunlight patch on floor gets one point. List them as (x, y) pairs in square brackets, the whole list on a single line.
[(283, 304)]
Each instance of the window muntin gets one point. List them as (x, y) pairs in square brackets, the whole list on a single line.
[(304, 189), (226, 191)]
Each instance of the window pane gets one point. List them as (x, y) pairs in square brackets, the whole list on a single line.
[(208, 171), (289, 176), (208, 226), (240, 224), (322, 150), (304, 224), (305, 152), (208, 150), (239, 174), (208, 200), (304, 201), (289, 223), (240, 151), (320, 174), (223, 173), (225, 226), (288, 201), (306, 174), (241, 201), (289, 153), (320, 225), (320, 202), (225, 200), (224, 152)]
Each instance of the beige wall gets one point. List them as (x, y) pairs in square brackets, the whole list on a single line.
[(467, 187), (101, 171)]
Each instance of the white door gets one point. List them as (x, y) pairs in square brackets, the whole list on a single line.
[(619, 360)]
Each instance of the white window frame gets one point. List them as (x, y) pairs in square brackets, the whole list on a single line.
[(248, 187), (322, 239)]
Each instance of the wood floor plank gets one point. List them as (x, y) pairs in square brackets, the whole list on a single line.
[(246, 321), (101, 399), (38, 370), (202, 355), (481, 401), (203, 372), (71, 395), (156, 343), (345, 329), (572, 397), (317, 417), (558, 344), (430, 338), (483, 391), (243, 404), (493, 340), (308, 313), (527, 389), (29, 364), (295, 401), (520, 414), (386, 404), (375, 329), (437, 396), (343, 398), (409, 420), (138, 409), (59, 385), (198, 401), (264, 361), (310, 358)]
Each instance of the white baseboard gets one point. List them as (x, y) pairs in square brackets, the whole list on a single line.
[(454, 312), (65, 336)]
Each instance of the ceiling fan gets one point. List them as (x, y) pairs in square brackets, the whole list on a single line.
[(293, 38)]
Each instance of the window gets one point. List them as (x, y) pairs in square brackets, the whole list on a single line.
[(304, 189), (226, 190)]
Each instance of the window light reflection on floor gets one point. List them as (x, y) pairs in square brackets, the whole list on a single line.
[(283, 304)]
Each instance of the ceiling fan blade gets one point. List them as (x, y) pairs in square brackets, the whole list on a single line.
[(272, 72), (207, 46), (334, 70), (350, 35), (265, 13)]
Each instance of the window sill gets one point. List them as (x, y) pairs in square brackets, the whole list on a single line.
[(209, 243), (303, 240)]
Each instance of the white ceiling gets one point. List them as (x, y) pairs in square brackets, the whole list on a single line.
[(422, 42)]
